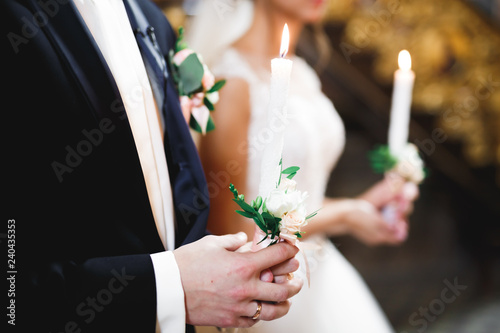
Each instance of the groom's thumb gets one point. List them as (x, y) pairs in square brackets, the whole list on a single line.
[(233, 242)]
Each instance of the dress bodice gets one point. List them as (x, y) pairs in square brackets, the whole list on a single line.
[(314, 138)]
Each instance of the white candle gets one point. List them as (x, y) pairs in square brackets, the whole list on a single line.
[(401, 103), (281, 69)]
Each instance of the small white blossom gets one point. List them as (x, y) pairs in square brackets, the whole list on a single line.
[(410, 166)]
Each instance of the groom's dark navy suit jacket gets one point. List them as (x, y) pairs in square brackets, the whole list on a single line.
[(84, 228)]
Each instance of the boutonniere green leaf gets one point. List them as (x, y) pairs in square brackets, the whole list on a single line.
[(190, 73)]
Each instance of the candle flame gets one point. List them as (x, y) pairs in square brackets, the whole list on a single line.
[(404, 60), (285, 40)]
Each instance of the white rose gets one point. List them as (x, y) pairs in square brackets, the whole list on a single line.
[(280, 202), (292, 222), (410, 165)]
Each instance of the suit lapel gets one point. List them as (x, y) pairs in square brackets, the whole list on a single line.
[(82, 59)]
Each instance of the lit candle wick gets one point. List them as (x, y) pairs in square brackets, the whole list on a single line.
[(404, 60), (285, 40)]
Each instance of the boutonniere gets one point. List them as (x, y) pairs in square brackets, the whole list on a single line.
[(196, 85), (409, 165)]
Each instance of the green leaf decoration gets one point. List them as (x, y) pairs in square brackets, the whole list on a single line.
[(275, 241), (246, 207), (245, 214), (217, 86), (208, 104), (233, 190), (270, 221), (210, 124), (298, 234), (313, 214), (260, 223), (290, 170), (264, 208), (190, 74), (281, 172), (180, 44), (257, 203), (194, 124), (263, 239), (381, 159)]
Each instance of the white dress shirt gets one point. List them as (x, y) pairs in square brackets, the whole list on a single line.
[(108, 22)]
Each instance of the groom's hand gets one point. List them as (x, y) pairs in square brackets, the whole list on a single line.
[(222, 287)]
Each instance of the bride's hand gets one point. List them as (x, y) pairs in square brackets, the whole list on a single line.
[(364, 221), (393, 189)]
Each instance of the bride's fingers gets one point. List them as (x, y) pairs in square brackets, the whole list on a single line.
[(274, 311), (283, 278), (410, 192), (267, 275), (245, 248), (288, 266)]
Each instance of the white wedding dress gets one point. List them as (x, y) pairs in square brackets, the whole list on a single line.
[(338, 300)]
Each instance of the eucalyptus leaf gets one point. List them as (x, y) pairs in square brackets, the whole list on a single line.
[(190, 74), (217, 86)]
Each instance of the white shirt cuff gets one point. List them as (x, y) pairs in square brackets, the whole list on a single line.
[(170, 308)]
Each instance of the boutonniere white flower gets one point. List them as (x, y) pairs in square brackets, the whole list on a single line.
[(196, 85)]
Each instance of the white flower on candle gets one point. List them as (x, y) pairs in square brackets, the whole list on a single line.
[(410, 166), (281, 202)]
